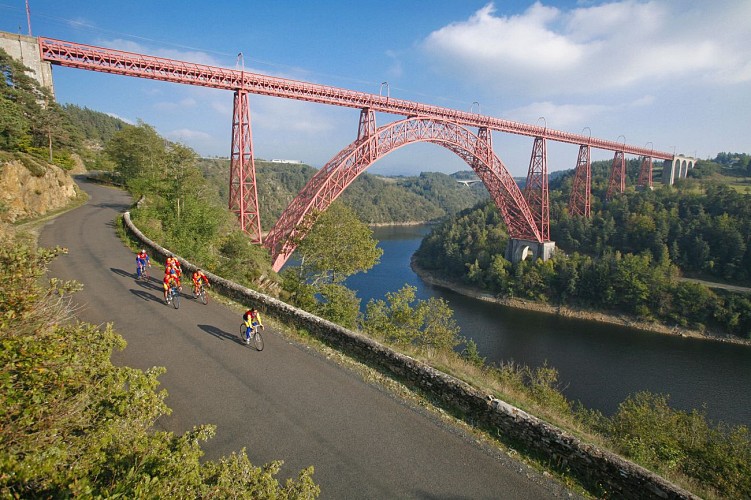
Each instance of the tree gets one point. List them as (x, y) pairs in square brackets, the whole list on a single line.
[(403, 320), (337, 246), (138, 153)]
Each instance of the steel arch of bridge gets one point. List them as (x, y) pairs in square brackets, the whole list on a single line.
[(331, 180)]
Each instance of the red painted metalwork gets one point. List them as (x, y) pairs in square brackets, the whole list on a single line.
[(617, 176), (93, 58), (243, 193), (329, 182), (579, 203), (367, 146), (645, 173), (366, 130), (536, 188)]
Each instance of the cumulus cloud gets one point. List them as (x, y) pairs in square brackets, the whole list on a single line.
[(126, 120), (187, 102), (186, 134), (292, 116), (549, 51), (195, 56), (572, 116)]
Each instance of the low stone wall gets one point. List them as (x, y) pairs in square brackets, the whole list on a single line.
[(613, 475)]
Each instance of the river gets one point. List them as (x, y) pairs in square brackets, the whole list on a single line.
[(598, 364)]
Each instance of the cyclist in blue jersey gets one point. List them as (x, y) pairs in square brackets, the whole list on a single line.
[(142, 260)]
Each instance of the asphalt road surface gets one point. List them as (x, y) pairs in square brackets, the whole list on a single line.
[(284, 403)]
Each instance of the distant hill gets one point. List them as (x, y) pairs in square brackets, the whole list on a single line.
[(376, 199)]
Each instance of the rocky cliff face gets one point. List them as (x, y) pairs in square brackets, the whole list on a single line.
[(24, 194)]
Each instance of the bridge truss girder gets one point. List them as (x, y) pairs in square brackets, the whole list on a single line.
[(243, 192), (536, 189), (645, 173), (329, 182), (617, 181), (580, 200)]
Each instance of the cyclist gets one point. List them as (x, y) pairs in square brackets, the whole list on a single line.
[(175, 273), (142, 260), (251, 319), (199, 276), (174, 263), (170, 280)]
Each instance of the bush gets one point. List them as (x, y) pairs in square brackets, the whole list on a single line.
[(647, 430)]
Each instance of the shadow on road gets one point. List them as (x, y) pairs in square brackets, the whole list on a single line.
[(150, 284), (141, 294), (122, 272), (219, 333), (120, 207)]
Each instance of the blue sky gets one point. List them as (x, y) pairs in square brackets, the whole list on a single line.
[(673, 74)]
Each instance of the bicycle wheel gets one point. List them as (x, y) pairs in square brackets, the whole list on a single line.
[(176, 299), (258, 340), (202, 295), (242, 333)]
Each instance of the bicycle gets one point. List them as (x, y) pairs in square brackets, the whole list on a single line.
[(173, 297), (201, 295), (142, 272), (252, 334)]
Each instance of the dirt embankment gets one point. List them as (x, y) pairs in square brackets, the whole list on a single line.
[(569, 312), (25, 194)]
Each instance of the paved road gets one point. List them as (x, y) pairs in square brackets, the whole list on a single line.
[(283, 403), (721, 286)]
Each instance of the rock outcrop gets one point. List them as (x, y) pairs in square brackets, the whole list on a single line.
[(24, 194)]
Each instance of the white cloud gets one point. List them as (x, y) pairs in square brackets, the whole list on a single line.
[(126, 120), (291, 116), (547, 51), (186, 134), (187, 102), (396, 70), (572, 116), (195, 56)]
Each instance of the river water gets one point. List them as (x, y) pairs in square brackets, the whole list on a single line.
[(598, 364)]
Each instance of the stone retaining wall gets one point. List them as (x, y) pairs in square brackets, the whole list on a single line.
[(613, 475)]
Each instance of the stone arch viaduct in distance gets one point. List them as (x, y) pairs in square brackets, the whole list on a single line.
[(525, 213)]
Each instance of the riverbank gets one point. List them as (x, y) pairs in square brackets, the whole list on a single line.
[(570, 312)]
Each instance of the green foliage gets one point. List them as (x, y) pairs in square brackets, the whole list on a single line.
[(30, 120), (646, 429), (33, 165), (374, 199), (242, 261), (471, 238), (403, 320), (74, 424), (338, 304), (140, 156), (624, 259), (337, 246), (181, 210), (96, 127), (471, 354)]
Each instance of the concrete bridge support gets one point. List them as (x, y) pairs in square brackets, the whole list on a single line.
[(25, 49), (519, 250), (677, 168)]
